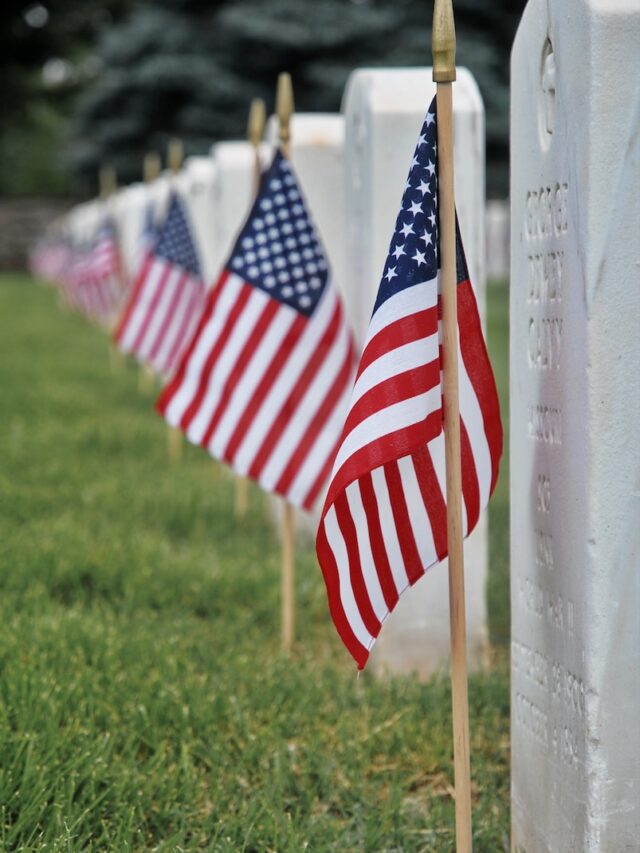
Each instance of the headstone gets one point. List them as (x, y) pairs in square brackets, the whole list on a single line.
[(317, 155), (129, 210), (575, 410), (200, 190), (384, 111), (497, 244), (235, 188)]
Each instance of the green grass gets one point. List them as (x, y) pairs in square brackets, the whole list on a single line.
[(144, 704)]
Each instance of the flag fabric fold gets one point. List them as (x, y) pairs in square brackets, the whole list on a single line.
[(264, 382), (384, 519), (167, 295)]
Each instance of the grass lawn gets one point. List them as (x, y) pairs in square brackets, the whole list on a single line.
[(144, 704)]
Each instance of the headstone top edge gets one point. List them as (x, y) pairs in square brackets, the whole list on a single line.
[(370, 84)]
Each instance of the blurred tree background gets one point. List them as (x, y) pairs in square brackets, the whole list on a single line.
[(86, 82)]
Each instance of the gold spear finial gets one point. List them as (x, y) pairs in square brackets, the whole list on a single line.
[(175, 154), (151, 166), (443, 42), (107, 180), (284, 109), (257, 120)]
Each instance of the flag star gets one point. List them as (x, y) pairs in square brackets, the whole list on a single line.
[(390, 273), (415, 208), (432, 219), (431, 168), (422, 140), (414, 163), (423, 188), (419, 257), (427, 237), (399, 250), (407, 229), (430, 119)]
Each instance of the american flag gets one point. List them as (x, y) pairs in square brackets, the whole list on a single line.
[(93, 282), (167, 295), (384, 519), (265, 381)]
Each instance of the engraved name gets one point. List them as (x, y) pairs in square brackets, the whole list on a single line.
[(546, 212)]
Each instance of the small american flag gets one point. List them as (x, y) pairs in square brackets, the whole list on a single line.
[(384, 520), (167, 295), (265, 381), (93, 282)]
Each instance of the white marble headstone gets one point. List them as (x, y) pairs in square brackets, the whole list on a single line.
[(235, 189), (317, 155), (200, 193), (575, 434), (384, 111), (129, 209)]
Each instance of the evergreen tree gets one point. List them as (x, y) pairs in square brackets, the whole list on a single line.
[(191, 67)]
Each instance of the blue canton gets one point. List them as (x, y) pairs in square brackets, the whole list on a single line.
[(278, 249), (413, 254), (174, 242)]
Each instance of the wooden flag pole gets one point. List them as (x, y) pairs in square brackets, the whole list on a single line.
[(175, 156), (151, 168), (284, 109), (444, 73), (255, 131)]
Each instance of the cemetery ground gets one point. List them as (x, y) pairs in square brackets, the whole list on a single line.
[(144, 702)]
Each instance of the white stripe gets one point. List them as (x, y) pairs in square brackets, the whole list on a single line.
[(251, 376), (161, 311), (186, 308), (286, 379), (141, 307), (206, 341), (367, 564), (389, 532), (471, 415), (396, 361), (306, 409), (418, 516), (225, 362), (347, 597), (159, 360), (384, 421), (320, 450), (418, 297)]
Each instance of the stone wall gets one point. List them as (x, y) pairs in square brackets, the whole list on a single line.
[(22, 220)]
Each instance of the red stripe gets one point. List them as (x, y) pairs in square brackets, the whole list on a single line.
[(386, 448), (414, 327), (196, 297), (332, 582), (433, 499), (478, 366), (348, 530), (160, 285), (264, 386), (395, 389), (470, 487), (254, 337), (317, 424), (296, 394), (221, 341), (412, 563), (178, 292), (173, 386), (136, 292), (378, 549)]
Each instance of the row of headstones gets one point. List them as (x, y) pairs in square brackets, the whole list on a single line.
[(352, 167)]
